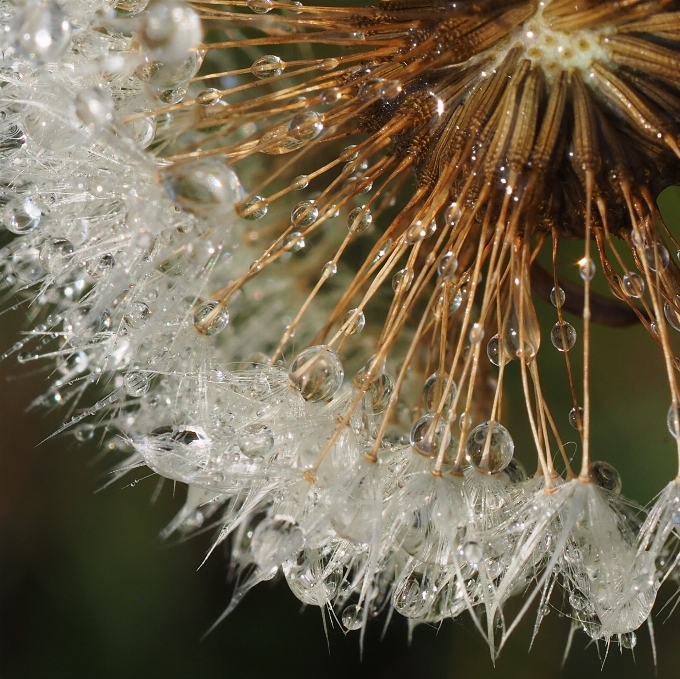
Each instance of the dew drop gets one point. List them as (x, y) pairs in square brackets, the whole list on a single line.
[(20, 216), (473, 553), (448, 265), (99, 267), (136, 383), (656, 256), (260, 6), (301, 182), (586, 269), (606, 477), (317, 373), (672, 418), (433, 391), (294, 241), (354, 321), (255, 208), (401, 281), (328, 64), (274, 540), (628, 640), (208, 97), (330, 269), (305, 213), (426, 436), (557, 297), (476, 334), (633, 284), (211, 317), (489, 447), (56, 253), (359, 220), (268, 66), (352, 617), (672, 316), (419, 231), (575, 414), (563, 336), (306, 126), (137, 315), (256, 440), (493, 350)]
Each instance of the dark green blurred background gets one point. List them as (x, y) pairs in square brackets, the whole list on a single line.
[(87, 589)]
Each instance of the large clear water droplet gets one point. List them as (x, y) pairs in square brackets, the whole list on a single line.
[(211, 317), (56, 253), (633, 284), (208, 188), (317, 373), (428, 436), (256, 440), (274, 540), (563, 336), (433, 391), (268, 66), (489, 447), (136, 383), (606, 477)]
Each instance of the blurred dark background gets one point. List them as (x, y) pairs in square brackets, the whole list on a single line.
[(88, 590)]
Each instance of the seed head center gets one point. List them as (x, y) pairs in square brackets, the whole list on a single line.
[(557, 51)]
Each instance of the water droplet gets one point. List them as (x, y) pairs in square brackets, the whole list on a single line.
[(515, 471), (586, 269), (656, 256), (331, 95), (419, 231), (672, 316), (260, 6), (672, 417), (387, 245), (294, 241), (352, 617), (476, 333), (493, 350), (355, 321), (211, 317), (330, 269), (349, 153), (100, 266), (268, 66), (381, 390), (427, 436), (448, 266), (401, 281), (575, 414), (56, 253), (628, 640), (44, 32), (557, 297), (317, 373), (306, 126), (208, 97), (83, 433), (21, 216), (359, 219), (255, 208), (563, 336), (606, 477), (433, 390), (489, 447), (256, 440), (473, 553), (390, 89), (328, 64), (136, 383), (301, 182), (138, 313), (305, 213), (274, 540), (633, 284), (208, 187)]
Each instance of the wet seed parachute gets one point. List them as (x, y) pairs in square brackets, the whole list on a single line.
[(285, 254)]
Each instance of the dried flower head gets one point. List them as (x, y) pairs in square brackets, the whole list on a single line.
[(286, 254)]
